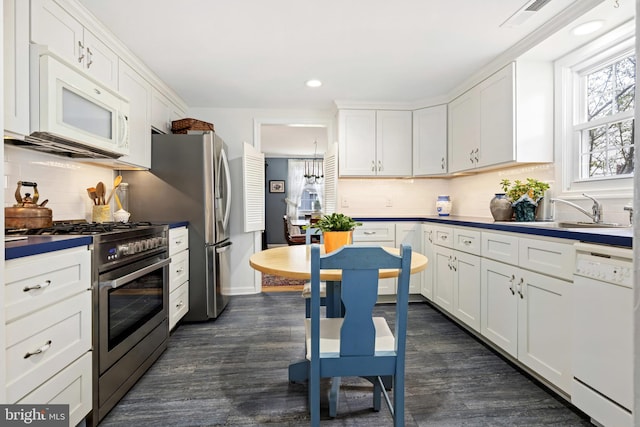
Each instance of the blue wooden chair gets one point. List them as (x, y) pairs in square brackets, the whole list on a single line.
[(306, 290), (358, 344)]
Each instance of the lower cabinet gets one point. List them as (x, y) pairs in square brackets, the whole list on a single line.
[(528, 315), (48, 315), (178, 274), (426, 286), (378, 234)]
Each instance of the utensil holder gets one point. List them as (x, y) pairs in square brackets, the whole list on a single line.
[(101, 213)]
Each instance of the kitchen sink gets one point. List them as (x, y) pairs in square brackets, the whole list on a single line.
[(568, 224)]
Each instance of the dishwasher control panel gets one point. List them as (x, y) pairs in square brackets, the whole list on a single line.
[(606, 264)]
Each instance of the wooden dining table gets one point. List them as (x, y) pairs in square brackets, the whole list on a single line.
[(294, 262)]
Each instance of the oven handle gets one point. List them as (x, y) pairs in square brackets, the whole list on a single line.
[(136, 274)]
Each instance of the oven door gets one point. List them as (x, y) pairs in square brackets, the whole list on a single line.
[(133, 300)]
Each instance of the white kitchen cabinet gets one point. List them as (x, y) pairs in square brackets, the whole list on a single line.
[(48, 330), (163, 112), (65, 36), (505, 119), (178, 274), (527, 313), (132, 86), (378, 234), (410, 233), (430, 141), (374, 143), (16, 66), (427, 250)]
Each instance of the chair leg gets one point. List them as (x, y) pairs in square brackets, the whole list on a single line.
[(334, 395), (398, 401), (377, 396), (307, 307), (314, 401)]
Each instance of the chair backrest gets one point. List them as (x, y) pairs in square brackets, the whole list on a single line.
[(313, 231), (359, 290)]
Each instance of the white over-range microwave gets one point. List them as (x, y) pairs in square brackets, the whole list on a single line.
[(73, 114)]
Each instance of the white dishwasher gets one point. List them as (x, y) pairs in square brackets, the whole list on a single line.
[(602, 384)]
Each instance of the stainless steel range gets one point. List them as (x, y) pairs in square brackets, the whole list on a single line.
[(130, 303)]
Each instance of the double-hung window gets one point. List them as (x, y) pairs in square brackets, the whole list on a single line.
[(597, 103)]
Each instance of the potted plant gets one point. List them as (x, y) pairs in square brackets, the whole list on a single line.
[(524, 196), (337, 230)]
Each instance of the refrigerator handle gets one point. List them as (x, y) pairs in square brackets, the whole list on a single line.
[(223, 248), (225, 165)]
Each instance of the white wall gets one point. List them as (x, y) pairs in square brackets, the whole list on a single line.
[(62, 181)]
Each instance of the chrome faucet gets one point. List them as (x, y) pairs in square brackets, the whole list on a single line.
[(596, 209)]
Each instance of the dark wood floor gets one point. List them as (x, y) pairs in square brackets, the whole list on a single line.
[(233, 372)]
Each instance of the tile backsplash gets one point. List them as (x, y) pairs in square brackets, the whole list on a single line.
[(62, 181)]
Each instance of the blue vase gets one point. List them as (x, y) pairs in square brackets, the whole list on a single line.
[(443, 205)]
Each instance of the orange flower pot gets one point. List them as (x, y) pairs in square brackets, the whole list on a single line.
[(334, 240)]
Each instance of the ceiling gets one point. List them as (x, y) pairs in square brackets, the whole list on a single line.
[(258, 54)]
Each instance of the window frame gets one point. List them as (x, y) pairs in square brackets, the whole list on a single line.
[(568, 71)]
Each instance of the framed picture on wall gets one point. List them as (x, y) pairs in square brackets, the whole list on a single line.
[(276, 186)]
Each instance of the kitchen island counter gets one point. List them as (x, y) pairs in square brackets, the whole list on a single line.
[(34, 245), (622, 236)]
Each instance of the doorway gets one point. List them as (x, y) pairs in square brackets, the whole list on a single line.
[(281, 141)]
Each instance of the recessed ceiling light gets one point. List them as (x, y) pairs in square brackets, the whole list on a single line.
[(587, 28), (313, 83)]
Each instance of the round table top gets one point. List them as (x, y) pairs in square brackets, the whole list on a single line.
[(294, 262)]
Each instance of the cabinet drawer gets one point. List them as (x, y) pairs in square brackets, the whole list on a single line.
[(178, 269), (34, 282), (178, 304), (376, 231), (62, 331), (71, 386), (500, 247), (443, 236), (178, 240), (553, 258), (467, 240)]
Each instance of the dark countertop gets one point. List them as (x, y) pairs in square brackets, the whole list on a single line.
[(34, 245), (606, 236)]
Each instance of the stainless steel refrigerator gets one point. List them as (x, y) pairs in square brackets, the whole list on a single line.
[(189, 181)]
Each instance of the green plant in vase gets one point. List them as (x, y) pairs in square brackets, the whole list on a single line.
[(524, 196), (337, 230)]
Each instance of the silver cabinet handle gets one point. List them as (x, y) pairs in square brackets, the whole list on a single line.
[(42, 349), (89, 57), (467, 242), (180, 304), (180, 270), (380, 168), (520, 288), (373, 166), (178, 242), (430, 236), (369, 233), (443, 237), (513, 277), (37, 286), (442, 164), (476, 157), (135, 275), (80, 51), (454, 265)]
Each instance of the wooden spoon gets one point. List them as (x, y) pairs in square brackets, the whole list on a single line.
[(116, 183), (91, 191), (100, 192)]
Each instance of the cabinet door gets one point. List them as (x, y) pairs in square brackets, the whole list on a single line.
[(464, 131), (430, 141), (410, 233), (427, 274), (16, 66), (466, 289), (138, 91), (59, 31), (498, 305), (544, 327), (497, 118), (100, 61), (160, 107), (357, 141), (393, 143), (443, 277)]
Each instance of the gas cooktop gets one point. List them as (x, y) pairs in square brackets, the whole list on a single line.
[(78, 228)]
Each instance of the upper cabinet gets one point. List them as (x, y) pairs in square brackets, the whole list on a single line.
[(430, 141), (65, 36), (163, 112), (138, 91), (16, 66), (506, 119), (374, 143)]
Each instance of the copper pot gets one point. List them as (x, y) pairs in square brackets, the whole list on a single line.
[(27, 213)]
